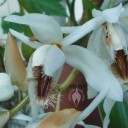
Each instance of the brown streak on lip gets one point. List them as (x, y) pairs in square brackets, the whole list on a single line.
[(107, 36), (120, 66), (43, 82)]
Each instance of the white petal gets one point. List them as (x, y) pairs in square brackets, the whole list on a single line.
[(96, 72), (6, 88), (108, 104), (25, 39), (44, 27), (96, 45), (112, 15), (91, 92), (50, 56), (69, 30)]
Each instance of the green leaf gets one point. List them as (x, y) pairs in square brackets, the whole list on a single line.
[(1, 56), (118, 116), (6, 25), (50, 7), (89, 6), (27, 51)]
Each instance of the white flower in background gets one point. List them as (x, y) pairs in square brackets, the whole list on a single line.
[(6, 88), (109, 42), (53, 51)]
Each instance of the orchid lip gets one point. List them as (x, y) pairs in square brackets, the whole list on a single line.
[(43, 84), (120, 66)]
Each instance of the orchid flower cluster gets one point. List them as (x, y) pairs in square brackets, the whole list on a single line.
[(103, 64)]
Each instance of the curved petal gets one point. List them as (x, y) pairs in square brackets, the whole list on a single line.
[(44, 27), (97, 73), (108, 105), (50, 56), (14, 64), (111, 15), (6, 88), (25, 39), (96, 45)]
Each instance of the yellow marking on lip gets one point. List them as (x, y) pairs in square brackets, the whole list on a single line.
[(57, 44)]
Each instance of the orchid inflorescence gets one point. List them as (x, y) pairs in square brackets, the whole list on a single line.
[(103, 63)]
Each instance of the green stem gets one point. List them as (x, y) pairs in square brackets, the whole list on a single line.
[(19, 106), (69, 80), (58, 102), (21, 9)]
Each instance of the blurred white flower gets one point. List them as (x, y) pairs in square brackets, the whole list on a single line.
[(6, 88), (109, 42), (47, 61)]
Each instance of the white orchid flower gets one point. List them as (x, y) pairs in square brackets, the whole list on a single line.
[(109, 42), (53, 51)]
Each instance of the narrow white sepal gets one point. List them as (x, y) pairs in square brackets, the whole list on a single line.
[(6, 88), (50, 57), (83, 30), (25, 39), (93, 104), (108, 105), (69, 30)]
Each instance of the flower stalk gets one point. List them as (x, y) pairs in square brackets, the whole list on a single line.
[(19, 106), (69, 80)]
